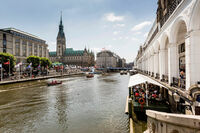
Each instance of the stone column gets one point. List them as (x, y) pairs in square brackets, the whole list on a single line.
[(27, 49), (162, 62), (33, 47), (192, 56), (173, 61), (156, 63), (20, 46), (13, 46), (149, 63), (152, 63), (42, 51), (38, 50)]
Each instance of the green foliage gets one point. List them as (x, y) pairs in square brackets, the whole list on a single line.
[(35, 60), (5, 57), (45, 62)]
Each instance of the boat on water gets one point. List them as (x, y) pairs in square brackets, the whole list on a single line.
[(125, 72), (132, 72), (89, 75), (121, 72), (146, 94), (54, 82)]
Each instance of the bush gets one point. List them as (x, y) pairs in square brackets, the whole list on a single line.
[(5, 57)]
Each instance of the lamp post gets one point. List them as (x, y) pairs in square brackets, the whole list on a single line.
[(9, 67), (1, 66), (176, 98)]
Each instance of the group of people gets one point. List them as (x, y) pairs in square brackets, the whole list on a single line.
[(153, 94)]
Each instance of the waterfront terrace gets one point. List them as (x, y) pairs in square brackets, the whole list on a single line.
[(171, 54)]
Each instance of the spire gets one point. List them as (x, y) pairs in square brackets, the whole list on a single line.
[(61, 18), (61, 33)]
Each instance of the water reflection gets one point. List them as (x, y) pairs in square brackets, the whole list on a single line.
[(79, 105)]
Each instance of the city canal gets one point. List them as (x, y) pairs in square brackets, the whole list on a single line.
[(79, 105)]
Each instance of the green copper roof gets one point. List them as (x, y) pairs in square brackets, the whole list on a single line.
[(71, 52), (53, 53)]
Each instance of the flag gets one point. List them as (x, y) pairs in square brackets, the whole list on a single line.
[(16, 66), (29, 66), (7, 63)]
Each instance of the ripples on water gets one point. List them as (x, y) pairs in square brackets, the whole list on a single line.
[(79, 105)]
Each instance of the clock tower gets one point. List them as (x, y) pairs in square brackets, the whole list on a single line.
[(61, 42)]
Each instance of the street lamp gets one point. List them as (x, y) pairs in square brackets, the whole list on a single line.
[(176, 98)]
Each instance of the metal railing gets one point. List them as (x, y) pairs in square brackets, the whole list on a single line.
[(178, 82), (165, 78), (157, 76)]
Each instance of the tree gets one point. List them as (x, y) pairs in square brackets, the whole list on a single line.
[(5, 57), (44, 62), (35, 60)]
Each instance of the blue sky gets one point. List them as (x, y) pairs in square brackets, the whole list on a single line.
[(118, 25)]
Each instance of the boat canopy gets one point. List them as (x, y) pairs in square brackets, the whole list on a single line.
[(139, 79)]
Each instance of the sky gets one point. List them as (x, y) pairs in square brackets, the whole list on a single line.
[(117, 25)]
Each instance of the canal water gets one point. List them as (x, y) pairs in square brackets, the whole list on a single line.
[(79, 105)]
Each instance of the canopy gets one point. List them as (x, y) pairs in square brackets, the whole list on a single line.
[(139, 79)]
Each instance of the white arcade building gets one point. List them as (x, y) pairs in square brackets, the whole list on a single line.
[(173, 47)]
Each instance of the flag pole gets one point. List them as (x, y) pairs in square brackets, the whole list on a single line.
[(1, 72), (9, 68)]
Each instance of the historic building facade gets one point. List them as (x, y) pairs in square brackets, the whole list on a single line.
[(106, 58), (172, 48), (22, 44), (70, 56)]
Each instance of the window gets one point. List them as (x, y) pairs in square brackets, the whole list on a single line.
[(24, 44), (40, 51), (17, 47), (35, 49), (181, 48), (30, 48), (4, 43)]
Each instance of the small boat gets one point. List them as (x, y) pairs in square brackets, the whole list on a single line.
[(54, 82), (125, 72), (121, 72), (89, 75)]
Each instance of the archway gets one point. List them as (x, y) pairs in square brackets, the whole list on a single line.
[(180, 42), (166, 46)]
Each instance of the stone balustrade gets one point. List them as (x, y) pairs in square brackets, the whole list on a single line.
[(160, 122)]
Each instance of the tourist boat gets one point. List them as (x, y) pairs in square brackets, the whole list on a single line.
[(125, 72), (54, 82), (89, 75), (132, 72), (121, 72), (146, 94)]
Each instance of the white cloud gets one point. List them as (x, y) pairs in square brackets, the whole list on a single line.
[(109, 46), (119, 25), (146, 34), (141, 25), (96, 49), (111, 17), (127, 38), (138, 33), (134, 39), (116, 32)]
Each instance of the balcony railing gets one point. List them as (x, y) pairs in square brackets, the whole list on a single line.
[(165, 78), (171, 9), (157, 76), (178, 82)]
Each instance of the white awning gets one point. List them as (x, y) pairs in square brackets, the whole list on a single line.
[(139, 79)]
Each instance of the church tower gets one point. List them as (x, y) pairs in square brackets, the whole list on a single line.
[(61, 42)]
